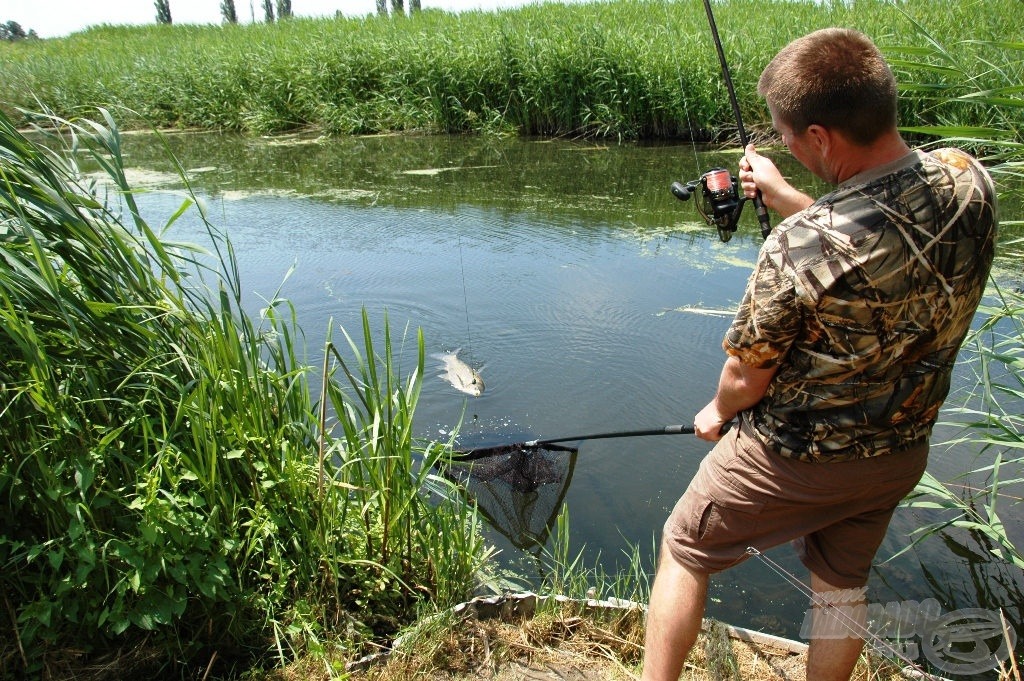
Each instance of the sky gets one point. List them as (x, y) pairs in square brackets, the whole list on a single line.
[(53, 18)]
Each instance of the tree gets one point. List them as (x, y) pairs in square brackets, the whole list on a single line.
[(382, 7), (163, 11), (12, 31), (268, 10), (227, 10), (397, 7), (414, 6), (284, 9)]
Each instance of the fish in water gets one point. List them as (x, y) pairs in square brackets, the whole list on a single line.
[(462, 376)]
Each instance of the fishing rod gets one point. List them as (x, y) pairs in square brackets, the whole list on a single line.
[(552, 443), (720, 201), (482, 452)]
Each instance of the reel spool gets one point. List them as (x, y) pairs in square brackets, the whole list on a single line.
[(719, 203)]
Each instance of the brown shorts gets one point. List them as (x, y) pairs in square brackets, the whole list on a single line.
[(746, 496)]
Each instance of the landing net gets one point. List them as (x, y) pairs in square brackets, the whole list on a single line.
[(519, 489)]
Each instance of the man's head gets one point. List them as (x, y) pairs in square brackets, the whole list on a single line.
[(835, 78)]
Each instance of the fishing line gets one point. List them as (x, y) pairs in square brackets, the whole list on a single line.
[(683, 92), (465, 298), (853, 626), (689, 124)]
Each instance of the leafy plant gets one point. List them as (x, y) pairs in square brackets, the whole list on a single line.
[(971, 91), (992, 424), (159, 482), (411, 543)]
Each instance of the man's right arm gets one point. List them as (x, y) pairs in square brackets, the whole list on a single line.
[(758, 172), (740, 387)]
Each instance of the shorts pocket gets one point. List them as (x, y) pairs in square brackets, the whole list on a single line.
[(715, 505), (738, 486), (725, 513), (709, 517)]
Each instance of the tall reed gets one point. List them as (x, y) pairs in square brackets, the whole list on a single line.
[(423, 545), (159, 478), (974, 80), (991, 424), (617, 68), (984, 77)]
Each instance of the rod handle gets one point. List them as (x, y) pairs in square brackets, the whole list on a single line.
[(762, 215)]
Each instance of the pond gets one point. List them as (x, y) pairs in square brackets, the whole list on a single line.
[(587, 296)]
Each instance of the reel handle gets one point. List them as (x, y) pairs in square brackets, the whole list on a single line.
[(681, 191)]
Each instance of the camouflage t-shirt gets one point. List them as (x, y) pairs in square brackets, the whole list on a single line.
[(862, 300)]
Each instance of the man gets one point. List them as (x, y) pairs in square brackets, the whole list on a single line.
[(841, 351)]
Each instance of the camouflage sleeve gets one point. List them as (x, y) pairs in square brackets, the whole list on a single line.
[(768, 318)]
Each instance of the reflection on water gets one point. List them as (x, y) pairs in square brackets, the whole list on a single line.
[(588, 298)]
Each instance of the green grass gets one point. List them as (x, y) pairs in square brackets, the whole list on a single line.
[(160, 491), (618, 69)]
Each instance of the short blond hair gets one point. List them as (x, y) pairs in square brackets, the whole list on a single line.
[(836, 78)]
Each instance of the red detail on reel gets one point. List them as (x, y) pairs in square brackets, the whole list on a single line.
[(718, 180)]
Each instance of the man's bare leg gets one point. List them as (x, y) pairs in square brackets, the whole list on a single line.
[(833, 658), (673, 618)]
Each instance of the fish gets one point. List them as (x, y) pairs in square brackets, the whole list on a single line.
[(462, 376)]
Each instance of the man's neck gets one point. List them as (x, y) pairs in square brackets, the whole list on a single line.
[(855, 159)]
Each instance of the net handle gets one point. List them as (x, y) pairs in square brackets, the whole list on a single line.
[(484, 452)]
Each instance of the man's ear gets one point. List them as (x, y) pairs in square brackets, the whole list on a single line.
[(823, 138)]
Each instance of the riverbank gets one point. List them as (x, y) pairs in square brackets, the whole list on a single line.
[(526, 636), (173, 496), (617, 69)]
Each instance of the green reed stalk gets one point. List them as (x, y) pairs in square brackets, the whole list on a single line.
[(377, 455), (981, 77), (971, 80), (992, 425), (567, 574)]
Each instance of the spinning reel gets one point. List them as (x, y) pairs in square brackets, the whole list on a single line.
[(719, 203)]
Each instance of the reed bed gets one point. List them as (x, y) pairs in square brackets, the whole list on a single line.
[(161, 505), (620, 69)]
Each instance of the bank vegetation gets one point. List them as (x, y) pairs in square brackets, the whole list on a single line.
[(623, 69)]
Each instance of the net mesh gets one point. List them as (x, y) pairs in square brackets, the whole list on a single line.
[(519, 489)]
